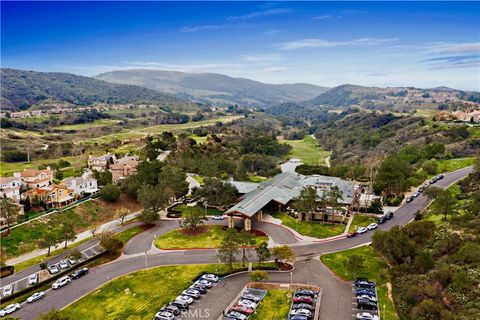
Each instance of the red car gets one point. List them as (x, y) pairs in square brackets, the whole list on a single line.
[(352, 234), (243, 309), (303, 299)]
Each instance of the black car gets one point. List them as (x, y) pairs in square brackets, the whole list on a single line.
[(299, 317), (363, 283), (389, 215), (199, 288), (79, 273), (382, 220), (366, 304), (361, 291), (305, 292), (302, 306), (171, 308)]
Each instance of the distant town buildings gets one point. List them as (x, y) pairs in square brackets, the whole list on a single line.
[(468, 116)]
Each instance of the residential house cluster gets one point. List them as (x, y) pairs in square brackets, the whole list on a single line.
[(120, 168), (472, 116)]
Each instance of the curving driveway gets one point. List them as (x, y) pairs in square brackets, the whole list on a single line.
[(334, 291)]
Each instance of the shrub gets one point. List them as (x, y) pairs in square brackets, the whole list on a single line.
[(110, 193)]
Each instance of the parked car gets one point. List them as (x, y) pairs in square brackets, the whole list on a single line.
[(79, 273), (72, 260), (180, 304), (440, 177), (218, 218), (164, 315), (389, 215), (237, 315), (372, 226), (200, 288), (409, 199), (36, 296), (210, 277), (366, 316), (9, 309), (416, 194), (363, 283), (63, 264), (305, 292), (365, 291), (243, 309), (302, 306), (61, 282), (303, 312), (53, 269), (361, 230), (33, 279), (191, 293), (251, 297), (247, 303), (352, 234), (171, 308), (382, 220), (367, 297), (7, 290), (299, 317), (366, 304), (206, 283), (304, 299), (188, 300)]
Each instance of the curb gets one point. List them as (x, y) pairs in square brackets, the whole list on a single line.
[(284, 227)]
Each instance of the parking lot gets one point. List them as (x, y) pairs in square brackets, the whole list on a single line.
[(355, 308)]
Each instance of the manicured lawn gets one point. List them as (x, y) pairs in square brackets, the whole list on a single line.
[(255, 178), (308, 150), (84, 126), (275, 305), (175, 239), (138, 295), (128, 234), (8, 168), (312, 229), (210, 211), (374, 268), (360, 220), (454, 164)]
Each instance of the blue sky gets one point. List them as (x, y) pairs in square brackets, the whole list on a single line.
[(424, 44)]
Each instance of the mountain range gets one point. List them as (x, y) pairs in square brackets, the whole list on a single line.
[(215, 88)]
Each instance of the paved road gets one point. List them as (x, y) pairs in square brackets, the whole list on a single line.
[(134, 262)]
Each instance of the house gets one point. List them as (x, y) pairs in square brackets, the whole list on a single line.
[(10, 188), (277, 194), (81, 186), (124, 167), (100, 163), (34, 178), (55, 196)]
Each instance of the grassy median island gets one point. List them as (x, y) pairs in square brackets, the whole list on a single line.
[(141, 294), (275, 305), (314, 229), (207, 237), (374, 268)]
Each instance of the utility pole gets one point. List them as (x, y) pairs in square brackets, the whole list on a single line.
[(28, 150)]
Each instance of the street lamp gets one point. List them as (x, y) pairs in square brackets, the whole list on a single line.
[(291, 278)]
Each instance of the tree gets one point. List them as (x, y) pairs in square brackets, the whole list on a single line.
[(58, 175), (432, 192), (228, 248), (307, 202), (263, 254), (430, 166), (154, 197), (49, 239), (174, 179), (333, 197), (394, 245), (76, 254), (193, 218), (258, 275), (354, 263), (53, 315), (424, 261), (110, 242), (392, 175), (122, 214), (43, 265), (103, 177), (284, 254), (245, 239), (110, 193), (445, 203), (8, 212), (217, 192), (148, 216), (67, 232)]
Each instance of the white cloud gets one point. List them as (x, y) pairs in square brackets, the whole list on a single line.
[(323, 43), (326, 17), (201, 28), (276, 69), (454, 48), (262, 57), (259, 14)]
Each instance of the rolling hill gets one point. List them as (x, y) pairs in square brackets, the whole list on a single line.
[(23, 89), (215, 88)]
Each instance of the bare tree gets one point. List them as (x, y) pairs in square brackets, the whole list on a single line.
[(122, 214), (8, 212)]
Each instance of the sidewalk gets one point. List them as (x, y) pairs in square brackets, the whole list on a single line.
[(108, 226)]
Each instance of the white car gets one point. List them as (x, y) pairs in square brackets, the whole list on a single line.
[(205, 283), (302, 312), (61, 282), (9, 309), (72, 260), (63, 264), (218, 218), (366, 316), (33, 279), (247, 303), (367, 297), (210, 277), (164, 315), (7, 290), (372, 226), (36, 296), (188, 300), (53, 269), (362, 230)]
